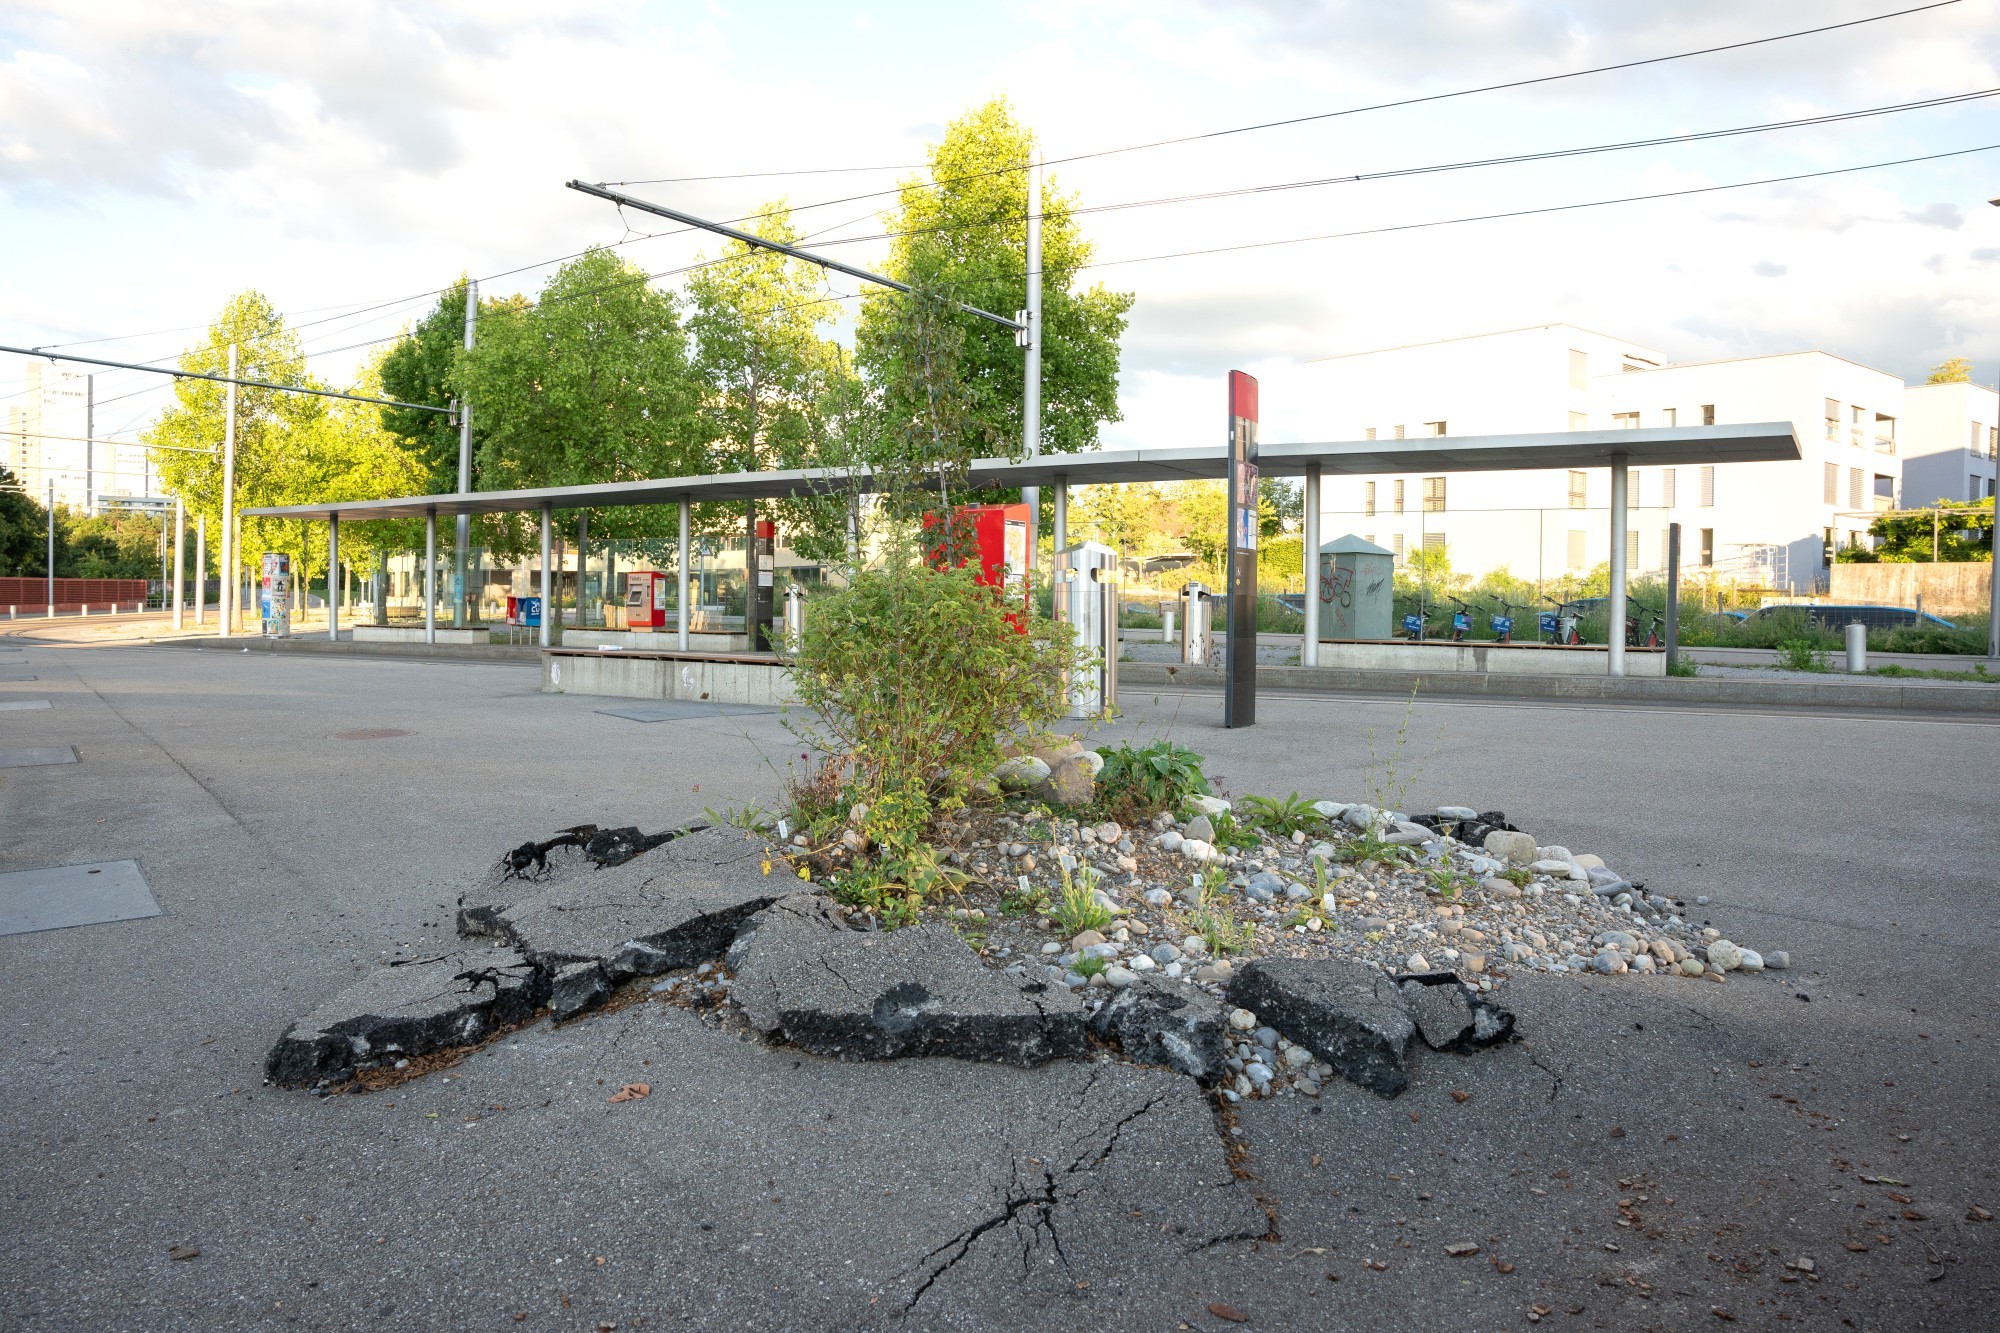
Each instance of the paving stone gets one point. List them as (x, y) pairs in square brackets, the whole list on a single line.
[(1165, 1023), (1350, 1015), (881, 995), (406, 1010)]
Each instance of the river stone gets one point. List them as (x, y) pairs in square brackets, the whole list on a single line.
[(408, 1009), (1514, 848), (1200, 829), (1021, 772), (1348, 1014), (1723, 956), (882, 995)]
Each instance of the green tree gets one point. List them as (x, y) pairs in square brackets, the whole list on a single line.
[(1952, 370), (23, 530), (1951, 530), (110, 545), (775, 393), (422, 367), (194, 425), (591, 383), (963, 232)]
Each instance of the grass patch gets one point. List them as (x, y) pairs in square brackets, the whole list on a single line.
[(1079, 909), (1898, 672)]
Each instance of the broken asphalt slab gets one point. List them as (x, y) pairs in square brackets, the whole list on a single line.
[(883, 995), (1350, 1015), (1159, 1023), (409, 1009), (1450, 1015), (674, 906)]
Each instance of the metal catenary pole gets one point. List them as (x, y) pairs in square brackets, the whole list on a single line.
[(1673, 596), (1031, 404), (180, 555), (52, 546), (230, 555), (462, 530)]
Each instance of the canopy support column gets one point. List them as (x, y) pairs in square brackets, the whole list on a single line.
[(1614, 632), (681, 573), (430, 576), (548, 515), (335, 584), (1309, 651)]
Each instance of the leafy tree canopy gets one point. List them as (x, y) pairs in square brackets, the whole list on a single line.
[(23, 529), (964, 233), (1952, 370)]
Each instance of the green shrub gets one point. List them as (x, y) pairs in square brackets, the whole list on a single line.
[(1280, 815), (916, 675), (1137, 784), (1802, 655), (1786, 624), (1967, 637)]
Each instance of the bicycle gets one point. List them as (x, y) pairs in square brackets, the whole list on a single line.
[(1652, 630), (1560, 625), (1503, 625), (1461, 619), (1416, 626)]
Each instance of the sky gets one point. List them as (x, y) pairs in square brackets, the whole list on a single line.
[(349, 159)]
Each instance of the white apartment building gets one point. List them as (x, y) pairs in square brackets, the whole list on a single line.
[(1764, 523), (1951, 442), (51, 436)]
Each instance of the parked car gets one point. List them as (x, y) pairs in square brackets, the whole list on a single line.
[(1837, 618)]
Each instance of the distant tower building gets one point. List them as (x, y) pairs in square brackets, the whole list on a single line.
[(53, 437)]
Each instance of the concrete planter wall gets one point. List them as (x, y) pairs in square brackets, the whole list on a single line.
[(1511, 659), (1947, 589), (649, 676), (471, 634), (657, 641)]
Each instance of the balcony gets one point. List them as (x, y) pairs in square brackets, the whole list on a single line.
[(1885, 444)]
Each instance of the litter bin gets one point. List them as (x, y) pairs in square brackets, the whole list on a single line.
[(795, 619), (1086, 599), (1196, 615)]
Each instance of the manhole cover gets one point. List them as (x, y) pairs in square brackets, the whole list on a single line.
[(370, 734)]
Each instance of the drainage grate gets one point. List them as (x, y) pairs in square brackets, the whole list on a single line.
[(63, 896), (33, 756), (371, 734)]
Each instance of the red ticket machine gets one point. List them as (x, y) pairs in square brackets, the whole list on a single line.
[(647, 597), (998, 534)]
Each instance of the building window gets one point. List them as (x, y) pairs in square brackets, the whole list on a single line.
[(1434, 541), (1579, 421), (1399, 494), (1885, 433), (1707, 548), (1368, 537), (1433, 495), (1830, 484), (1399, 432), (1369, 434), (1708, 414), (1624, 421), (1708, 486), (1858, 428), (1579, 369), (1832, 419), (1396, 547), (1631, 551), (1670, 416), (1579, 490), (1978, 437), (1434, 428), (1368, 498), (1575, 552), (1667, 488), (1854, 488)]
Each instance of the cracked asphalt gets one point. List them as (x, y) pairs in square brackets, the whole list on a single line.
[(1652, 1153)]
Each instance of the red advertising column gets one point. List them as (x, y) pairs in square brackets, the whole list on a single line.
[(1239, 662)]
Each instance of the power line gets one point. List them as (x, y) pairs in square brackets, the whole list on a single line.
[(1108, 152), (761, 175), (1396, 104), (221, 379)]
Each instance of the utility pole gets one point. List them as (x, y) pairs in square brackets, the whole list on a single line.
[(52, 546), (230, 554), (180, 556), (1031, 403), (462, 577), (90, 444), (200, 567)]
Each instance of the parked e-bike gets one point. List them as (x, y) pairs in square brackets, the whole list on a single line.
[(1559, 625), (1461, 620), (1503, 625)]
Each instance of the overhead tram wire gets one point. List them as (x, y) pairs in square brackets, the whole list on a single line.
[(1129, 148), (1393, 105)]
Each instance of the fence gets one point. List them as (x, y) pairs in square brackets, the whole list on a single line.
[(73, 594)]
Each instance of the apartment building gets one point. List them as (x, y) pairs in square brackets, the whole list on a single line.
[(51, 437), (1769, 523), (1952, 442)]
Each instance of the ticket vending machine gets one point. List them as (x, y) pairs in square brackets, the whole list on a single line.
[(648, 594), (274, 595), (1086, 599), (998, 536)]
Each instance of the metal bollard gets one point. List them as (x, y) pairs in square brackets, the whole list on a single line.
[(1167, 625), (1857, 648)]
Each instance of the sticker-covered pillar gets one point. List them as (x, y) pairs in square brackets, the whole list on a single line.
[(1239, 662)]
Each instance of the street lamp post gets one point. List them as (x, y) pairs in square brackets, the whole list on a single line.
[(1993, 570)]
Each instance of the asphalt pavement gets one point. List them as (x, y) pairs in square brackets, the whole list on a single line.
[(1653, 1152)]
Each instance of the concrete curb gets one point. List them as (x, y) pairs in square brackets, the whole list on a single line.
[(499, 652), (1937, 698)]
